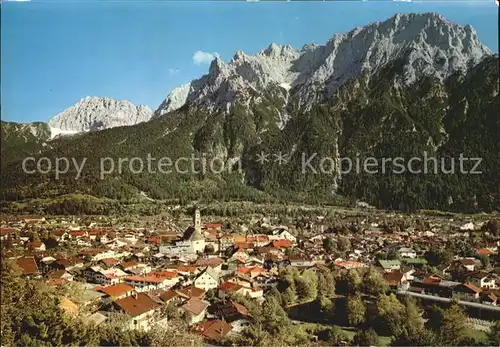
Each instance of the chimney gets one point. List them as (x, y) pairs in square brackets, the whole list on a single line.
[(135, 296)]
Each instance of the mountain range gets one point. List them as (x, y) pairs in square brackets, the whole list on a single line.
[(413, 84)]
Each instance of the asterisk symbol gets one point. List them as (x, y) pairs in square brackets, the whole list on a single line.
[(262, 158), (280, 158)]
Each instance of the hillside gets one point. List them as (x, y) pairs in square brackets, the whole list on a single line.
[(397, 101)]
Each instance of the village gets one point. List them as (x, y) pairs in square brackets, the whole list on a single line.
[(147, 271)]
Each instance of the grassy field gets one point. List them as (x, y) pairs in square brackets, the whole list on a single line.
[(350, 332), (478, 335)]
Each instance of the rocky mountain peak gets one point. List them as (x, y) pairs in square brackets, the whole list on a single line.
[(427, 43), (98, 113)]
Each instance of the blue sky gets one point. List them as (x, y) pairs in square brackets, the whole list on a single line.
[(56, 52)]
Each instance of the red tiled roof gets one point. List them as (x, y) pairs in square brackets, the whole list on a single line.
[(57, 274), (28, 265), (472, 287), (128, 264), (230, 287), (152, 277), (213, 329), (7, 231), (137, 304), (194, 306), (117, 289), (110, 261), (212, 262), (192, 292), (468, 261), (484, 251), (244, 245), (168, 295), (281, 244)]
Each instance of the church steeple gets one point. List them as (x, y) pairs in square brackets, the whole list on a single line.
[(197, 220), (197, 234)]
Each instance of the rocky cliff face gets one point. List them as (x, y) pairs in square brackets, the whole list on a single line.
[(427, 44), (94, 114)]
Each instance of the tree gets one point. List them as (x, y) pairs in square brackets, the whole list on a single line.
[(335, 336), (454, 325), (373, 282), (289, 296), (328, 244), (30, 314), (348, 282), (390, 316), (175, 335), (356, 310), (434, 318), (306, 285), (366, 337), (414, 332), (438, 255), (494, 334), (274, 317), (493, 226), (343, 244), (324, 306)]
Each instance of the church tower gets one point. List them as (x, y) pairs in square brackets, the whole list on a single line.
[(197, 221), (197, 239)]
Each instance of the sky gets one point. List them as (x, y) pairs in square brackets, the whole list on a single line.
[(56, 52)]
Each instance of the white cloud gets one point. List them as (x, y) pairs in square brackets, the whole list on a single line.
[(16, 0), (172, 72), (200, 57)]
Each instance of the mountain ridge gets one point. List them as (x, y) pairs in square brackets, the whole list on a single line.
[(313, 73), (381, 113), (97, 113)]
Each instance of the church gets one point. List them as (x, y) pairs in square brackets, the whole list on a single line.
[(193, 241)]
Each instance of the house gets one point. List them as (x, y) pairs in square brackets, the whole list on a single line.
[(6, 232), (117, 291), (191, 292), (152, 280), (207, 279), (281, 244), (484, 252), (390, 265), (60, 275), (36, 246), (68, 307), (141, 308), (300, 261), (214, 263), (195, 310), (251, 272), (467, 291), (28, 267), (483, 279), (415, 262), (33, 219), (468, 263), (283, 234), (396, 279), (226, 288), (350, 264), (488, 298), (96, 274), (405, 252), (213, 330), (232, 311)]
